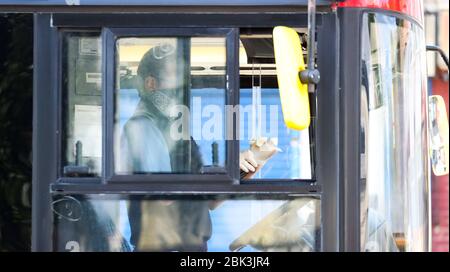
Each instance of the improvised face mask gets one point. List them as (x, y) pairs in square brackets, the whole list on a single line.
[(161, 63), (163, 100)]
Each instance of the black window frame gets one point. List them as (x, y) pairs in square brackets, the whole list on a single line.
[(61, 96), (47, 182), (109, 38), (125, 26), (109, 34)]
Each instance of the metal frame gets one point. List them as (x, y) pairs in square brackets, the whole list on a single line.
[(199, 22), (110, 35), (186, 189), (350, 86), (61, 96), (350, 21), (133, 6), (327, 130), (163, 3), (238, 18), (44, 136)]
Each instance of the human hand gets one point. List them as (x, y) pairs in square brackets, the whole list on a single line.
[(252, 160), (247, 162)]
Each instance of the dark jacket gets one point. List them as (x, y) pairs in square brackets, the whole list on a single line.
[(146, 147)]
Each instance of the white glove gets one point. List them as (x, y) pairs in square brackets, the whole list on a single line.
[(260, 151), (247, 161)]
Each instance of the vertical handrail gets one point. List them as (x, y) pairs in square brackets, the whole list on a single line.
[(311, 39), (311, 75)]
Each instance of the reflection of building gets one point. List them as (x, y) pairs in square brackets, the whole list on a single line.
[(437, 33)]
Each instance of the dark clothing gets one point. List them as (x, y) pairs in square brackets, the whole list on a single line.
[(180, 225)]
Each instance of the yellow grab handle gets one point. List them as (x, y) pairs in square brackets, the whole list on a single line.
[(293, 93)]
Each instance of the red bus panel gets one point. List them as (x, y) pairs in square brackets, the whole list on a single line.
[(413, 8)]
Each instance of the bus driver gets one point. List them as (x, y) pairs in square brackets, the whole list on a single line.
[(147, 147)]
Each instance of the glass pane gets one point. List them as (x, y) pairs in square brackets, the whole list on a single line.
[(394, 159), (82, 105), (280, 152), (293, 158), (145, 223), (170, 98)]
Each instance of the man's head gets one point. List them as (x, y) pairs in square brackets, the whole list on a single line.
[(157, 69), (158, 79)]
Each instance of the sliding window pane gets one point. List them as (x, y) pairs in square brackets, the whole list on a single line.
[(82, 105), (169, 105), (186, 223)]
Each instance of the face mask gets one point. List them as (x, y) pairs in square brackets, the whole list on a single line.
[(163, 100)]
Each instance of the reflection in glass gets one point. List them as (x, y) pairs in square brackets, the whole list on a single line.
[(281, 153), (145, 223), (438, 129), (169, 105), (394, 161), (293, 159), (82, 100)]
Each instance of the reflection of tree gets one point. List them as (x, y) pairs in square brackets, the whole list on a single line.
[(16, 58)]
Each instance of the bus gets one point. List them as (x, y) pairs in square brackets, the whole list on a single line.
[(240, 125)]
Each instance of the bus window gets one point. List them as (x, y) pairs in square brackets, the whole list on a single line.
[(282, 153), (394, 168), (169, 111), (82, 100), (188, 223)]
